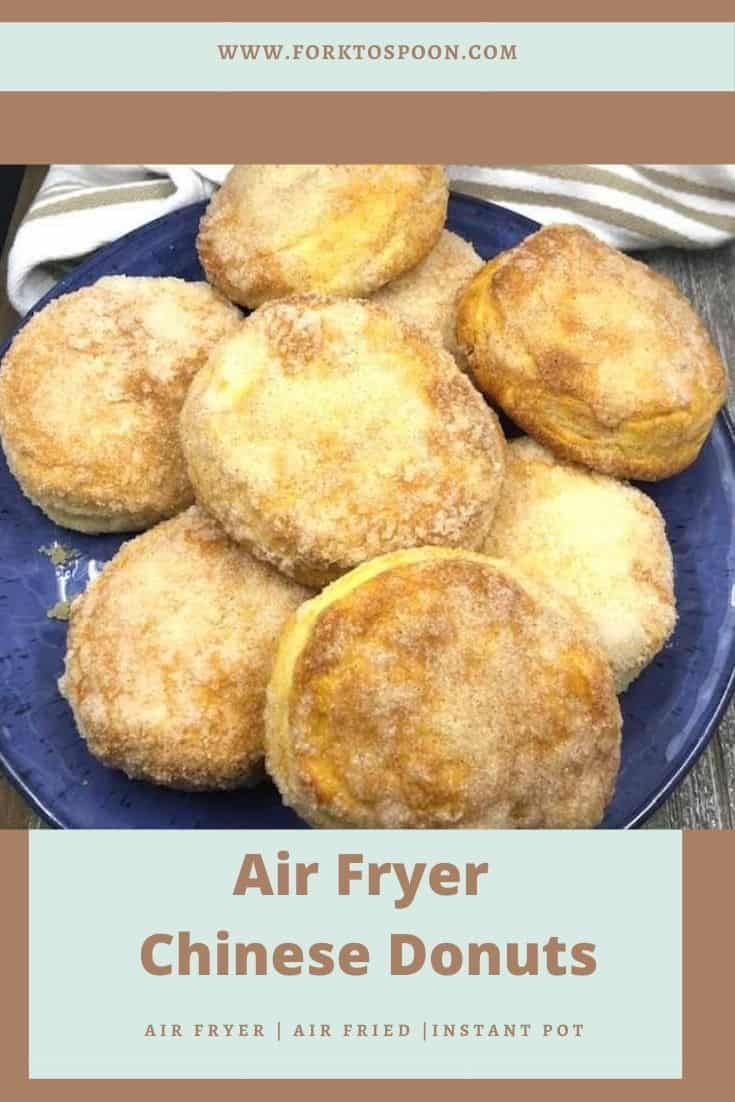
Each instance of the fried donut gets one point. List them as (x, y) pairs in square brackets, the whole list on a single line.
[(595, 355), (90, 393), (277, 230), (427, 295), (441, 688), (327, 431), (169, 653), (599, 542)]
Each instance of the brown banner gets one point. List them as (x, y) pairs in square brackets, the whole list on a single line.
[(455, 127), (512, 11), (709, 981)]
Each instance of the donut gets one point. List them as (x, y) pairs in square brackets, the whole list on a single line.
[(327, 431), (593, 354), (169, 654), (272, 231), (599, 542), (441, 688), (90, 394), (427, 295)]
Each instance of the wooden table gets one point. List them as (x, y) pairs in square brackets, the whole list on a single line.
[(706, 797)]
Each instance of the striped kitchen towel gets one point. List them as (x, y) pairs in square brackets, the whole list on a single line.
[(81, 207)]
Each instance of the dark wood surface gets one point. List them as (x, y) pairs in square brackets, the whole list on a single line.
[(705, 800)]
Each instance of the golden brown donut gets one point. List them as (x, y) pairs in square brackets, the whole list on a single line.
[(427, 295), (90, 393), (169, 652), (595, 355), (438, 688), (327, 431), (599, 542), (278, 230)]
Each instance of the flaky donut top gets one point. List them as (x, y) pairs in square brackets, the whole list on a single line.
[(434, 688), (170, 650), (598, 541), (91, 388), (574, 316), (327, 431), (427, 295), (276, 230)]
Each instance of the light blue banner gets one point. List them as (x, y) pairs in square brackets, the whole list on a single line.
[(443, 57), (599, 997)]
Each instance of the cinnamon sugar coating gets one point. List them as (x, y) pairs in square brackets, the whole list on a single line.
[(276, 230), (327, 431), (599, 542), (90, 393), (595, 355), (435, 688), (169, 653), (427, 296)]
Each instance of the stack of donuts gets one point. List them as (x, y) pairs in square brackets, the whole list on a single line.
[(346, 574)]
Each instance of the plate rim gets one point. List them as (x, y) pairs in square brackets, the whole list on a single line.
[(52, 818)]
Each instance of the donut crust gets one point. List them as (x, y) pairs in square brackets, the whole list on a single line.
[(327, 431), (427, 296), (169, 653), (272, 231), (599, 542), (90, 393), (436, 688), (595, 355)]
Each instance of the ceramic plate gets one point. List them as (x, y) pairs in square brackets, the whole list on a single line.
[(669, 713)]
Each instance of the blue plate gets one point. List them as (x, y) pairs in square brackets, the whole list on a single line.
[(670, 712)]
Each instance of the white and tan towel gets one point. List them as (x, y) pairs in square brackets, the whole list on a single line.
[(81, 207)]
